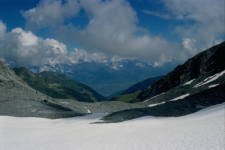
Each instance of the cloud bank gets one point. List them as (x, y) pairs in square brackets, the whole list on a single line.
[(112, 28), (206, 19), (25, 48)]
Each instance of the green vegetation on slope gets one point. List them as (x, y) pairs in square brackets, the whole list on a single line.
[(126, 97), (58, 86)]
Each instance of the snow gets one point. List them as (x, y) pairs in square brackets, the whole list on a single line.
[(203, 130), (152, 105), (175, 99), (180, 97), (88, 110), (210, 79), (65, 103), (189, 82), (214, 85), (154, 97)]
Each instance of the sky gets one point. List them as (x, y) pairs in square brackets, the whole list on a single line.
[(39, 32)]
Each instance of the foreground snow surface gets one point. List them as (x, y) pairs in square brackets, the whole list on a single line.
[(203, 130)]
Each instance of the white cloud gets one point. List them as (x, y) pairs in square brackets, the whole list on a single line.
[(50, 13), (25, 38), (207, 17), (112, 28), (188, 44), (80, 55), (25, 48), (158, 14)]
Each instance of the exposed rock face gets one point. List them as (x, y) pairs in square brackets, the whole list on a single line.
[(206, 63), (18, 99)]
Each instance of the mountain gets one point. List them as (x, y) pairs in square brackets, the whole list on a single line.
[(107, 80), (141, 85), (134, 90), (18, 99), (197, 84), (58, 86), (206, 63)]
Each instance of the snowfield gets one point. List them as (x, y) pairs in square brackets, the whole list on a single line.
[(203, 130)]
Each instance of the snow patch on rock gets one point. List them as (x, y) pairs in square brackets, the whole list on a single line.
[(189, 82), (180, 97), (152, 105), (210, 79), (154, 97), (214, 85)]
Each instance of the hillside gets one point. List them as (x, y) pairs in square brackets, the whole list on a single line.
[(141, 85), (206, 63), (18, 99), (195, 85), (134, 90), (58, 86), (192, 87)]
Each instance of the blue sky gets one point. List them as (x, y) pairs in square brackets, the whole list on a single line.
[(67, 31), (11, 15)]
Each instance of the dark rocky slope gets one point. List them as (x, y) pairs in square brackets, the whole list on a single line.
[(141, 85), (197, 84), (131, 93), (204, 64)]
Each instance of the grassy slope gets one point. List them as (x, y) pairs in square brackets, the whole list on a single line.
[(58, 86)]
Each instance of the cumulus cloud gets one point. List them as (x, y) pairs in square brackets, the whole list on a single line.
[(207, 17), (113, 29), (25, 48), (50, 13)]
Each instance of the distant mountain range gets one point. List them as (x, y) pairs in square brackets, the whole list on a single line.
[(106, 80), (195, 85)]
